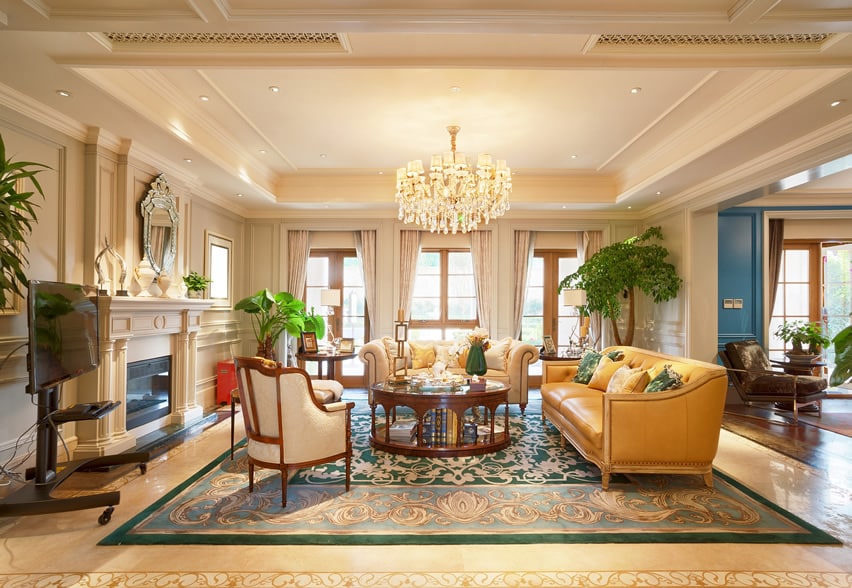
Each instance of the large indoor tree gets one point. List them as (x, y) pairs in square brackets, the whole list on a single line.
[(615, 272)]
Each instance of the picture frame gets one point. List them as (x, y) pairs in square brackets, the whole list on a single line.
[(347, 345), (219, 266), (549, 346), (309, 343)]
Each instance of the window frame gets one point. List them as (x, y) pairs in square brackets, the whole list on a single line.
[(443, 323)]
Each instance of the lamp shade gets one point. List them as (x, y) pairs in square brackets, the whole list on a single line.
[(573, 297), (330, 297)]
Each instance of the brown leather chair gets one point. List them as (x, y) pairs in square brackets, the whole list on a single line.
[(286, 425), (751, 373)]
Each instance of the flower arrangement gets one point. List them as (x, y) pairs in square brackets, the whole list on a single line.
[(479, 338)]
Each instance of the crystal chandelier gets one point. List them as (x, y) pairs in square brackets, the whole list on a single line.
[(454, 197)]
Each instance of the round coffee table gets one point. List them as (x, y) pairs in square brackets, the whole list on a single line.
[(441, 420)]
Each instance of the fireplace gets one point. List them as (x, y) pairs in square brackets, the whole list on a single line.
[(149, 387), (135, 331)]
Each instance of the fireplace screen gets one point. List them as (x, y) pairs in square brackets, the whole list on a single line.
[(149, 387)]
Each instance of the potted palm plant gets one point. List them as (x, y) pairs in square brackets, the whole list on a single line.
[(274, 314), (17, 214)]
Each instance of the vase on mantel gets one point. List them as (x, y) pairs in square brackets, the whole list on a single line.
[(145, 275), (164, 280), (476, 365)]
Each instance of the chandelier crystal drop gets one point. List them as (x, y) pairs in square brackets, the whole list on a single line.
[(453, 198)]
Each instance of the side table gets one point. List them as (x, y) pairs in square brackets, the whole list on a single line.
[(330, 359)]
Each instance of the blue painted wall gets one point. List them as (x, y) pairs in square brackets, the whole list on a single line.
[(740, 274)]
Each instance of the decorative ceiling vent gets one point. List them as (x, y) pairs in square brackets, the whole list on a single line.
[(324, 40), (710, 40)]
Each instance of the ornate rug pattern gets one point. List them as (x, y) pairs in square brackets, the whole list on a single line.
[(532, 492)]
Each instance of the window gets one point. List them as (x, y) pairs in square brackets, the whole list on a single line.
[(340, 269), (444, 302), (543, 312), (798, 295)]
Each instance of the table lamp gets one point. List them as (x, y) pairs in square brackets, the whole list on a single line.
[(330, 297), (577, 298)]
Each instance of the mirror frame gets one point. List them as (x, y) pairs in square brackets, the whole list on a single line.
[(160, 196)]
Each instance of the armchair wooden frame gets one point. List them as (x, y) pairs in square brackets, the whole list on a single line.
[(286, 426)]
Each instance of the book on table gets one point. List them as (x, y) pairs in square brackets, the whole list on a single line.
[(403, 430)]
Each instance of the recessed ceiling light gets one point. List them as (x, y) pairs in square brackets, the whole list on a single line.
[(64, 93), (204, 98), (188, 160), (629, 207), (274, 89), (635, 90), (455, 89), (381, 173), (262, 151), (574, 156), (658, 192), (837, 103), (239, 195), (323, 155)]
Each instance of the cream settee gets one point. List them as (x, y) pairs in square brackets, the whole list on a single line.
[(508, 361), (670, 431)]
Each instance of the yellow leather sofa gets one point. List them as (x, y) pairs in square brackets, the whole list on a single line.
[(672, 431)]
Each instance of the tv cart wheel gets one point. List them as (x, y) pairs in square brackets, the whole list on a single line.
[(106, 515)]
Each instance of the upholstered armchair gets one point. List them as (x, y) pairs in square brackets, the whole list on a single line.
[(286, 425), (751, 373)]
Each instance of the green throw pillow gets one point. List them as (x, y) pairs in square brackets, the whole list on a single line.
[(616, 355), (588, 364), (667, 379)]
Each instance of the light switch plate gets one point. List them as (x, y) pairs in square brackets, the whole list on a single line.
[(727, 303), (738, 302)]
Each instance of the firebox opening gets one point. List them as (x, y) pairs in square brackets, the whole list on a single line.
[(149, 386)]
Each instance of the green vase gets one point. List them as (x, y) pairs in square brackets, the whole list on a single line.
[(476, 365)]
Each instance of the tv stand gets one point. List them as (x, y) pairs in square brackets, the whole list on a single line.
[(36, 496)]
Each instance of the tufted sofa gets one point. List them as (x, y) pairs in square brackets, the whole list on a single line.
[(620, 430), (508, 362)]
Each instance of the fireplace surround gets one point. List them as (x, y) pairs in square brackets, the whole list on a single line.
[(133, 330)]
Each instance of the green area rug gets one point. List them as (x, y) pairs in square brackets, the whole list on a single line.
[(532, 492)]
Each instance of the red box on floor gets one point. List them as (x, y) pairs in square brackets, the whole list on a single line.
[(226, 380)]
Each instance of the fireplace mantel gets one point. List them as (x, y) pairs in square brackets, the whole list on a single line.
[(126, 322)]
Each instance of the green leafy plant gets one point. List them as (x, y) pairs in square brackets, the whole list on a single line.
[(800, 334), (17, 214), (273, 314), (617, 270), (842, 371), (195, 282)]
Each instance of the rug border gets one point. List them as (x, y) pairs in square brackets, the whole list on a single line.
[(122, 536)]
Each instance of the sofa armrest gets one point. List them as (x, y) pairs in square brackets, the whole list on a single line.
[(375, 359), (518, 360), (681, 425)]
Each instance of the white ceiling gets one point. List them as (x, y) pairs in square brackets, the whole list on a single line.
[(537, 85)]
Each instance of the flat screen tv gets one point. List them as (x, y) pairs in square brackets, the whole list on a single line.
[(63, 333)]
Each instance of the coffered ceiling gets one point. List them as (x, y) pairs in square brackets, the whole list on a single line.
[(286, 105)]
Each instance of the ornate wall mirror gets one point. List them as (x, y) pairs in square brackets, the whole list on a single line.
[(159, 226)]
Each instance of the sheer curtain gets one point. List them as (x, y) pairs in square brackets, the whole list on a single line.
[(480, 252), (776, 250), (409, 250), (299, 246), (365, 248), (589, 243), (524, 249)]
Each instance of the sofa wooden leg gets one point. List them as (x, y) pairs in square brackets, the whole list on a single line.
[(562, 441), (605, 480), (523, 406), (708, 479)]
